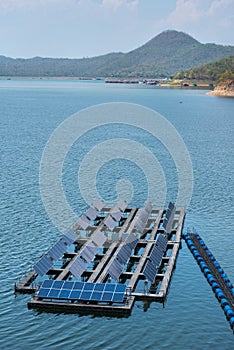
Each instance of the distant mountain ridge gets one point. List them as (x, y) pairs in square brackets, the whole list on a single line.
[(164, 55)]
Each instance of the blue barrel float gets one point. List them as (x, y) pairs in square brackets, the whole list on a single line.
[(216, 277)]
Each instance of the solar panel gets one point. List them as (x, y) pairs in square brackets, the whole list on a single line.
[(131, 240), (57, 251), (77, 267), (115, 269), (89, 252), (143, 215), (71, 235), (67, 240), (98, 238), (139, 225), (110, 223), (164, 224), (43, 265), (150, 271), (122, 205), (67, 290), (171, 206), (168, 214), (83, 222), (124, 254), (91, 213), (116, 214), (98, 204), (148, 207)]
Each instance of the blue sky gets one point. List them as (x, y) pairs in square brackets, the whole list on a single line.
[(86, 28)]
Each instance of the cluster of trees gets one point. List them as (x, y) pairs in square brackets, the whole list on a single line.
[(218, 71)]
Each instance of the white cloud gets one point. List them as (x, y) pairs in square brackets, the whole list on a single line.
[(118, 4)]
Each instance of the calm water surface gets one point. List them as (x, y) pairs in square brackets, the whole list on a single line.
[(30, 110)]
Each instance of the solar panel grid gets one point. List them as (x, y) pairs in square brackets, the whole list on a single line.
[(171, 206), (83, 222), (104, 292)]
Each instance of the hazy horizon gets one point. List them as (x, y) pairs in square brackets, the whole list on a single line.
[(89, 28)]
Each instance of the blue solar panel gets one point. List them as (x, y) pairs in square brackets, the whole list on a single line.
[(54, 293), (96, 296), (120, 288), (171, 206), (115, 269), (118, 297), (57, 284), (67, 290), (77, 267), (57, 251), (43, 265), (99, 287), (75, 294), (86, 295), (67, 239), (107, 296), (88, 286), (64, 294), (68, 285), (79, 285), (110, 287), (150, 271), (43, 292), (48, 283)]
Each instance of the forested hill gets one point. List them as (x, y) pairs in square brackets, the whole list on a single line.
[(163, 56), (216, 71)]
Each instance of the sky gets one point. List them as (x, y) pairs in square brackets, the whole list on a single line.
[(87, 28)]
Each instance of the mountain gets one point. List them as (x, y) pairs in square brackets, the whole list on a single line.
[(216, 71), (164, 55)]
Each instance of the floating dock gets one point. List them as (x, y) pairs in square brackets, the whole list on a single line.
[(108, 260), (215, 275)]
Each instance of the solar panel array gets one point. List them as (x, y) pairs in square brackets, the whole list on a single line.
[(82, 291), (155, 258), (55, 253), (168, 220)]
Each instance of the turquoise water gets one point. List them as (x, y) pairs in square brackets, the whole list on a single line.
[(30, 110)]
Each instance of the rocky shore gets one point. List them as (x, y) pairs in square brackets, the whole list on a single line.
[(225, 89)]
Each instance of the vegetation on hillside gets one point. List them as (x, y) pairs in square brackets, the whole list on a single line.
[(163, 56), (218, 71)]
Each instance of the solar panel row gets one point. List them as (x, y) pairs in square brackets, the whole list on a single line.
[(150, 271), (103, 292), (43, 265), (115, 269)]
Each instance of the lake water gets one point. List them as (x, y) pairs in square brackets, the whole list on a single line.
[(30, 110)]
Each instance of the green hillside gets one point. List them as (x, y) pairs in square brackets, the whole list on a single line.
[(216, 71), (163, 56)]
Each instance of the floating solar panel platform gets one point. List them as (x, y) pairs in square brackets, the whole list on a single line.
[(101, 264)]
